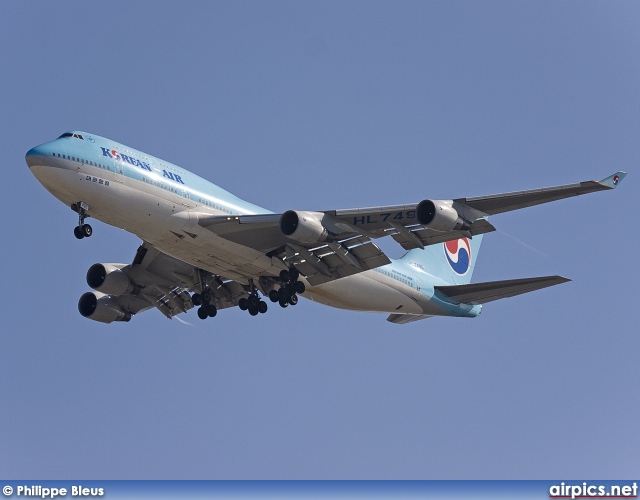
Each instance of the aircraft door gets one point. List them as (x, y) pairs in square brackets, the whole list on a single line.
[(117, 169), (417, 286)]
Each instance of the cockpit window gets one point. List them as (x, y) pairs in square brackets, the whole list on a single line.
[(69, 134)]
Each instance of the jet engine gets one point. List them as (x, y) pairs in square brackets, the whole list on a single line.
[(440, 215), (305, 227), (109, 279), (100, 307)]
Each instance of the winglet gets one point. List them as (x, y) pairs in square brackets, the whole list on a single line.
[(614, 179)]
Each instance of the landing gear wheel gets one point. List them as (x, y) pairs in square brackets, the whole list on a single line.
[(77, 233), (299, 286), (202, 313), (253, 311), (211, 311), (243, 304), (196, 299), (86, 230), (262, 307), (206, 297), (283, 303), (284, 276), (283, 295), (293, 300), (273, 295)]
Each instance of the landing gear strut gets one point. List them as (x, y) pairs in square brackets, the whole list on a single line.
[(82, 230)]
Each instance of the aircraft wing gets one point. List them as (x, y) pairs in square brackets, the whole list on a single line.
[(499, 203), (155, 279), (331, 244), (346, 252)]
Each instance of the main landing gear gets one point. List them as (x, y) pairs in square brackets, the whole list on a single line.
[(286, 295), (290, 286), (206, 309), (253, 304), (82, 230)]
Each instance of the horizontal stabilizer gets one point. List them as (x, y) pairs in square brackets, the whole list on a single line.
[(401, 319), (481, 293)]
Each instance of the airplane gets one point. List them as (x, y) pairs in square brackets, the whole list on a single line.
[(204, 247)]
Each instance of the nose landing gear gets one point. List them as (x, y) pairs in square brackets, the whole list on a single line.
[(82, 230)]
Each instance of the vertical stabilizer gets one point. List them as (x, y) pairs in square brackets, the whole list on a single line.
[(452, 261)]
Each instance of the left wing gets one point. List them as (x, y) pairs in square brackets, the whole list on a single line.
[(153, 279), (332, 244)]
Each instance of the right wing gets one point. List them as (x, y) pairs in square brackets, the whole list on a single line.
[(499, 203), (332, 244)]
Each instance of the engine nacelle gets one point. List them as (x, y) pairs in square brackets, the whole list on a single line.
[(109, 279), (439, 215), (103, 308), (305, 227)]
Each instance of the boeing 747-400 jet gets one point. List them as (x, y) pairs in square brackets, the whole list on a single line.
[(204, 247)]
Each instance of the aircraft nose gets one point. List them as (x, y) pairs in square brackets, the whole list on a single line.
[(35, 156)]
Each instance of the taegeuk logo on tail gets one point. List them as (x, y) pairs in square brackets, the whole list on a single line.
[(458, 253)]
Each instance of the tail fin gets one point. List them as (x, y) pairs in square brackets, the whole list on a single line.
[(452, 261)]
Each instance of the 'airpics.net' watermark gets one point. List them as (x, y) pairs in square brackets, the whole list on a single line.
[(586, 490)]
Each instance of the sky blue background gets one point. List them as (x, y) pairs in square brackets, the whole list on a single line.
[(321, 105)]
